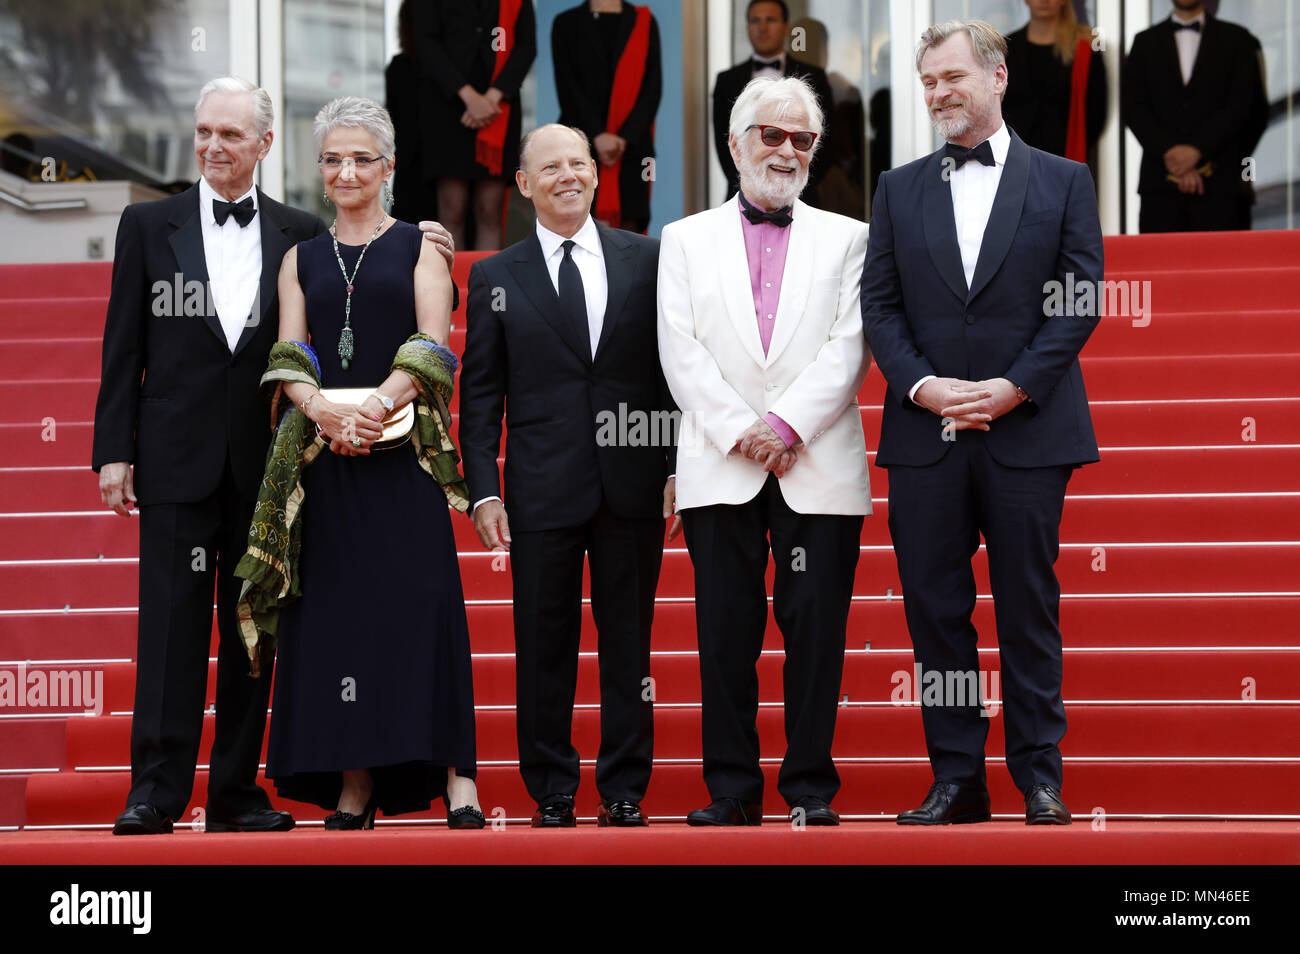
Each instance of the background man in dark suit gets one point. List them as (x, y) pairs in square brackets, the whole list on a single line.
[(561, 331), (986, 414), (769, 25), (193, 312), (1194, 97)]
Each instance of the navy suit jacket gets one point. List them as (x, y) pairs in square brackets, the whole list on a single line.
[(920, 318)]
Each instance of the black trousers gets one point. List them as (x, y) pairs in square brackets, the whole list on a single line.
[(936, 516), (1193, 213), (186, 552), (816, 556), (624, 556)]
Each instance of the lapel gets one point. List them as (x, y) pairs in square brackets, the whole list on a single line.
[(187, 245), (940, 225), (796, 279), (1004, 218), (620, 259), (733, 273), (276, 240), (531, 273), (1168, 51), (1206, 54)]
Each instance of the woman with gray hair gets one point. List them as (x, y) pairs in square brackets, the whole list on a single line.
[(374, 704)]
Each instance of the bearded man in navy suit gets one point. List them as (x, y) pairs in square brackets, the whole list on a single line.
[(986, 415)]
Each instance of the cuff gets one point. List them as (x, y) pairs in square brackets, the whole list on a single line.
[(911, 395), (783, 430), (480, 503)]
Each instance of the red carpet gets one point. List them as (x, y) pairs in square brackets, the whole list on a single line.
[(1181, 595), (858, 843)]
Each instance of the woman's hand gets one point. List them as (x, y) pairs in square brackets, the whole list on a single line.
[(479, 110), (344, 424)]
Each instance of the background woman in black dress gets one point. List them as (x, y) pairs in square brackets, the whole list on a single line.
[(461, 93), (373, 704), (586, 44), (1040, 64)]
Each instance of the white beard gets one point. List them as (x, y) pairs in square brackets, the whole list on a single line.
[(953, 128), (764, 187)]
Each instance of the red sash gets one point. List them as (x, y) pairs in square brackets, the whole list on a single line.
[(628, 76), (490, 144), (1076, 135)]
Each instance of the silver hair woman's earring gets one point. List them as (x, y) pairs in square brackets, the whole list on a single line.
[(326, 197), (388, 194)]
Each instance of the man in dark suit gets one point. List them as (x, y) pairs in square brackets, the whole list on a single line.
[(769, 25), (561, 331), (986, 414), (193, 313), (1194, 97)]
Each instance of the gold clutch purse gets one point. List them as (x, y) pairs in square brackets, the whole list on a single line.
[(397, 425)]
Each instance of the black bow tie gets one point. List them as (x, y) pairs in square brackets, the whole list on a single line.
[(1196, 26), (761, 64), (243, 210), (983, 154), (781, 218)]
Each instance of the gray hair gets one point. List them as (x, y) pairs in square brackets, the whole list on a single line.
[(988, 45), (263, 111), (762, 90), (356, 112), (528, 138)]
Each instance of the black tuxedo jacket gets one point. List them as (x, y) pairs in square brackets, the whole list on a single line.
[(522, 355), (1222, 111), (173, 399), (920, 318), (727, 90)]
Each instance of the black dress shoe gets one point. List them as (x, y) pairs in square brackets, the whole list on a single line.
[(619, 814), (948, 803), (816, 811), (259, 819), (555, 812), (142, 819), (1043, 806), (727, 811)]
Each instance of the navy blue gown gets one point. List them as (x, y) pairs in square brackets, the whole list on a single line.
[(373, 667)]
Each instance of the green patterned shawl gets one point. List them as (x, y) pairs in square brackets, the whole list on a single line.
[(269, 568)]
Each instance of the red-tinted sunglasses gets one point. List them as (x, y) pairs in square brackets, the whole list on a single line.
[(775, 135)]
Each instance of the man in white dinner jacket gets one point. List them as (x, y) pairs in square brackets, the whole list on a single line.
[(760, 339)]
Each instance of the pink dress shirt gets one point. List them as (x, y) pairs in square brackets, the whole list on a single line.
[(765, 248)]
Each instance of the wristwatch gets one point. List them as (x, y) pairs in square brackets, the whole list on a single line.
[(385, 400)]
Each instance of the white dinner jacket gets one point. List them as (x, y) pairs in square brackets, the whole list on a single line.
[(713, 359)]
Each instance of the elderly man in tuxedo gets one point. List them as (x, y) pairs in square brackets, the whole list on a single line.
[(561, 337), (760, 337), (768, 25), (986, 415), (181, 429)]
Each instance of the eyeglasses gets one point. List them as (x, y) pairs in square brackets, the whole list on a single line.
[(775, 135), (360, 163)]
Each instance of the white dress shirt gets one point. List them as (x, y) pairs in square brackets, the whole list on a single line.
[(589, 258), (1189, 44), (974, 187), (234, 259)]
